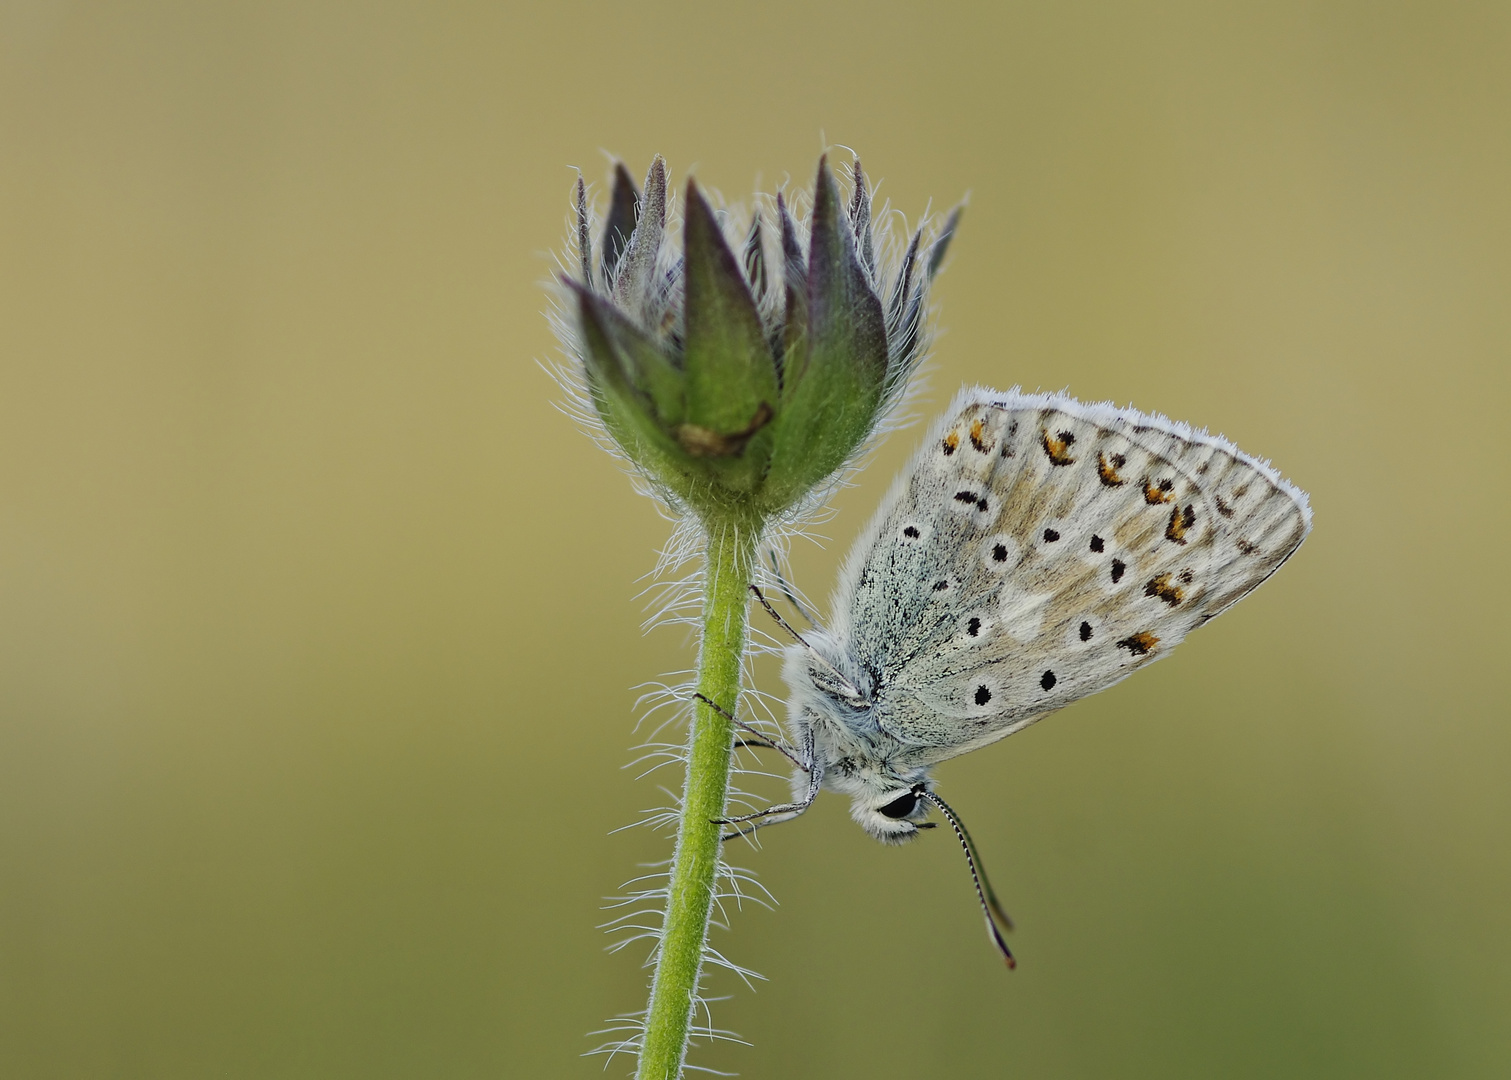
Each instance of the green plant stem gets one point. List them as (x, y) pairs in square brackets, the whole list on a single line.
[(726, 597)]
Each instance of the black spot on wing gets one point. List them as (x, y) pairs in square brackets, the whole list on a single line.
[(972, 498), (1007, 440)]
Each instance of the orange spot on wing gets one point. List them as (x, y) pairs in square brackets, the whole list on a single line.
[(978, 436), (1180, 521), (1139, 644), (1057, 446), (1162, 588), (1154, 494), (951, 443), (1107, 469)]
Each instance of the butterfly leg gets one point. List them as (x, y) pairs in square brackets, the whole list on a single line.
[(778, 815), (745, 824), (783, 811), (774, 815), (755, 744), (761, 740)]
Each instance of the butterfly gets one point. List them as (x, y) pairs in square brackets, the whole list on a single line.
[(1036, 549)]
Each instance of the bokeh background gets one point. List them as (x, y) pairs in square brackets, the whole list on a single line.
[(319, 624)]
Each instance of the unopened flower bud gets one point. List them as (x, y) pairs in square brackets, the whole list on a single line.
[(737, 396)]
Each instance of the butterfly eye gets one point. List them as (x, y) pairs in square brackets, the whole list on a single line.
[(900, 807)]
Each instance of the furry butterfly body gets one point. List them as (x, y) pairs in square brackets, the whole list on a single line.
[(1035, 550)]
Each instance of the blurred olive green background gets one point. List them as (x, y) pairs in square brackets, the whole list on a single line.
[(319, 624)]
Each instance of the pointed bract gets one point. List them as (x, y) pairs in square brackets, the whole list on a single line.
[(584, 240), (730, 370), (906, 335), (621, 222), (637, 268), (844, 316), (831, 401), (620, 403), (860, 220), (942, 241), (646, 366), (900, 287), (795, 294), (755, 259)]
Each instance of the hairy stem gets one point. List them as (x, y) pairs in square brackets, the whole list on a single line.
[(727, 575)]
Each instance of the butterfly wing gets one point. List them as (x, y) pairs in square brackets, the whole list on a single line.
[(1038, 549)]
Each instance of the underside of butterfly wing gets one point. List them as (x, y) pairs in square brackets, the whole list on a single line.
[(1038, 549)]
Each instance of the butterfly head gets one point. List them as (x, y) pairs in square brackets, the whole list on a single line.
[(893, 814)]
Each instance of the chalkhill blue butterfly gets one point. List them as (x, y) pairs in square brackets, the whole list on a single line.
[(1036, 549)]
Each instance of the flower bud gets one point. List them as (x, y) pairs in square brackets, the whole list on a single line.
[(734, 398)]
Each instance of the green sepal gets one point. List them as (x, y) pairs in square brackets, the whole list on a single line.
[(732, 391), (830, 405), (795, 301), (646, 365), (628, 411)]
